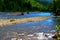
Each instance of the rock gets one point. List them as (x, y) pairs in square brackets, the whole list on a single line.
[(12, 20), (55, 36)]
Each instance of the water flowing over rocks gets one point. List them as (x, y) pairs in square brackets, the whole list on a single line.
[(26, 36)]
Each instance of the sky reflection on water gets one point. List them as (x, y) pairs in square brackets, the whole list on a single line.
[(31, 14), (43, 26), (40, 26)]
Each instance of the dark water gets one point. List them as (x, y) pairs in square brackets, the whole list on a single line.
[(31, 27)]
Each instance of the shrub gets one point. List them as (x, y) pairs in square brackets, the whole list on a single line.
[(58, 27)]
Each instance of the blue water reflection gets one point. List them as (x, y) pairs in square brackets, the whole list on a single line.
[(40, 26), (31, 14)]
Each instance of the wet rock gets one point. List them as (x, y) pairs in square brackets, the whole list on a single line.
[(55, 36)]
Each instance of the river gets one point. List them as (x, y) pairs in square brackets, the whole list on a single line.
[(30, 27)]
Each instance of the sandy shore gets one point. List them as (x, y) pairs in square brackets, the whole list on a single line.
[(5, 22)]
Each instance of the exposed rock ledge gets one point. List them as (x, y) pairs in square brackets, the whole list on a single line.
[(5, 22)]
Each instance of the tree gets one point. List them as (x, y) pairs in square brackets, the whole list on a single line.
[(56, 7), (21, 5)]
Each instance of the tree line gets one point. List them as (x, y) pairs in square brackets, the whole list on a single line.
[(21, 5), (28, 5)]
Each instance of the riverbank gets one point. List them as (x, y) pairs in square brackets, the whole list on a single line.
[(5, 22)]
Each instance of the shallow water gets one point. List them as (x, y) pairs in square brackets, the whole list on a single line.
[(44, 25), (30, 27), (31, 14)]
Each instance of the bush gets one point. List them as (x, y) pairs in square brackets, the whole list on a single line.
[(58, 27)]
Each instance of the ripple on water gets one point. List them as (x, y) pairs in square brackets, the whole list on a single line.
[(40, 26)]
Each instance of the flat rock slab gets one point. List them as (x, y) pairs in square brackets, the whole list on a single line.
[(5, 21)]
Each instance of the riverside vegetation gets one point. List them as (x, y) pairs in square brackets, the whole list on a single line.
[(58, 32)]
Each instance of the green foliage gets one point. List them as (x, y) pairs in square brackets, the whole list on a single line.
[(56, 7), (58, 27), (22, 5)]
